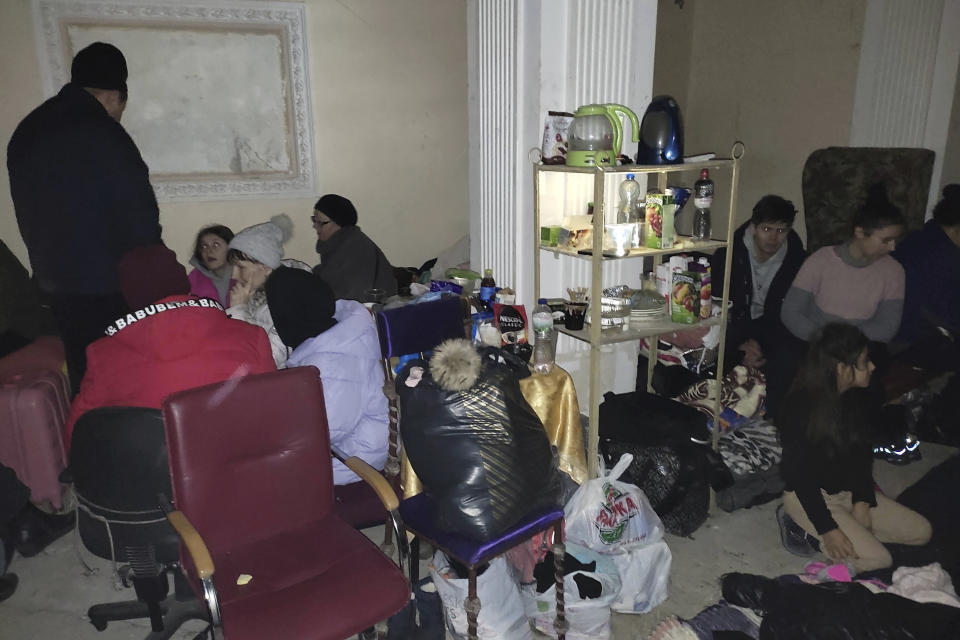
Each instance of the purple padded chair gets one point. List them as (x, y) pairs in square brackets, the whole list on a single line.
[(417, 329)]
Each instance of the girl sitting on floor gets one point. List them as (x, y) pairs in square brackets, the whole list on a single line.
[(827, 463)]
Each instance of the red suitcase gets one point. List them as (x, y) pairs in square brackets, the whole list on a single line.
[(33, 408)]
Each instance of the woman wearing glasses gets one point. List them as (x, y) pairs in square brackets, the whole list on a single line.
[(827, 463), (350, 262)]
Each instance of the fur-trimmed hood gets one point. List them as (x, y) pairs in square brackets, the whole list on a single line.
[(455, 365)]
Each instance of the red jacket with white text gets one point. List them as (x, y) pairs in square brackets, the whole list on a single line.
[(178, 343)]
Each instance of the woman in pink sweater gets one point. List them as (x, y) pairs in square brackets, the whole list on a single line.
[(856, 282)]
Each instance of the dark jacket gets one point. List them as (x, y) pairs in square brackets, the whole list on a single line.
[(807, 467), (21, 312), (351, 263), (740, 327), (81, 193), (931, 265)]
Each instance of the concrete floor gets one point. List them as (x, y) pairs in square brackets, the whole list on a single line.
[(55, 591)]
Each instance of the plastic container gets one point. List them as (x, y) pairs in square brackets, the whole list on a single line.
[(702, 200), (488, 286), (544, 337), (629, 200)]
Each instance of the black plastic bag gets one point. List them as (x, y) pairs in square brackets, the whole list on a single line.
[(676, 478), (645, 418), (478, 447), (671, 462)]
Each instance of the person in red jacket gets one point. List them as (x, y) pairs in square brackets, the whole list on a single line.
[(172, 343)]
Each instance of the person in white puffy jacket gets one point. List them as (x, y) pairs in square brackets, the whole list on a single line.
[(340, 339)]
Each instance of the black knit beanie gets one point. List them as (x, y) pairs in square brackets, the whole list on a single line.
[(338, 209), (99, 66), (301, 304), (150, 273)]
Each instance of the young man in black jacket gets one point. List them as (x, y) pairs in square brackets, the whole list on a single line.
[(767, 253), (82, 197)]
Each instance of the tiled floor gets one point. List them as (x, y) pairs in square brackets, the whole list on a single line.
[(55, 591)]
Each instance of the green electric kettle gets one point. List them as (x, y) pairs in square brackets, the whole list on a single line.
[(596, 134)]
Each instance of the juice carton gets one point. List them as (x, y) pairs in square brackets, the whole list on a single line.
[(685, 297), (550, 236), (660, 209), (706, 289)]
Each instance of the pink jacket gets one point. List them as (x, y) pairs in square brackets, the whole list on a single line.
[(203, 287)]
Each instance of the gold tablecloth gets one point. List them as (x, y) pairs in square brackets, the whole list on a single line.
[(554, 399)]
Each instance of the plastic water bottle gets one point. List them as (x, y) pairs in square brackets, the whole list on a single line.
[(629, 198), (544, 336), (702, 200), (488, 289)]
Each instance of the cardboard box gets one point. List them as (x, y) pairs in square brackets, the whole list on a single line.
[(549, 236), (685, 297), (659, 213)]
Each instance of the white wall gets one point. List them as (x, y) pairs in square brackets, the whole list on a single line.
[(905, 83), (777, 74), (389, 90)]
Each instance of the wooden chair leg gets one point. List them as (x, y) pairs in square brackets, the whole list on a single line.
[(472, 605), (387, 546), (560, 624)]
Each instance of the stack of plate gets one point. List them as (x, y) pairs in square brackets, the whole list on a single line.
[(644, 313)]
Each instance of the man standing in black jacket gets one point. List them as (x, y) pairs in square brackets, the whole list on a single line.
[(82, 197), (767, 253)]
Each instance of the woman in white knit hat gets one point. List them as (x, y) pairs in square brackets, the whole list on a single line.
[(254, 253)]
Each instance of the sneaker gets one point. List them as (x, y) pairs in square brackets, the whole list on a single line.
[(36, 529), (8, 584), (794, 538)]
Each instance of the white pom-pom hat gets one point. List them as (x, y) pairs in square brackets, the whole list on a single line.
[(264, 242)]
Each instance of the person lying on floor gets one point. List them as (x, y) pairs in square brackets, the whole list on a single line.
[(340, 339), (827, 463), (171, 341)]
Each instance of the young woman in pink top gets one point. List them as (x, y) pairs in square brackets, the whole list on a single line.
[(856, 282), (210, 277)]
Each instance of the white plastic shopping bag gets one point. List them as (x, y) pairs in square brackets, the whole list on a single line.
[(644, 576), (610, 516), (588, 618), (501, 608)]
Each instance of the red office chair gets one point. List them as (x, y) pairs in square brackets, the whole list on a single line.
[(253, 487)]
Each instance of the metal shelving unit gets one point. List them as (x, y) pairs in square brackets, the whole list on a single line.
[(593, 333)]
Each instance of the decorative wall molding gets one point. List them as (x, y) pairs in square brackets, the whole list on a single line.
[(267, 154)]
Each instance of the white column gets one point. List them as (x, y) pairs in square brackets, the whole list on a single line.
[(527, 57), (905, 83)]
